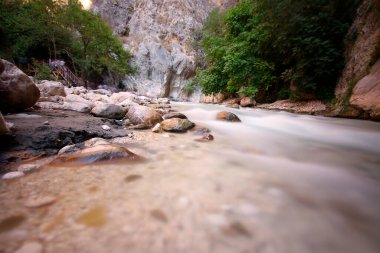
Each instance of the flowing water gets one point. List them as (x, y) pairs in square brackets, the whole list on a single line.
[(276, 182)]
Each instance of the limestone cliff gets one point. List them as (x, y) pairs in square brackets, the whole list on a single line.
[(158, 33), (358, 90)]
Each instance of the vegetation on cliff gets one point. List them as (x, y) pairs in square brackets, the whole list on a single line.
[(270, 46), (48, 29)]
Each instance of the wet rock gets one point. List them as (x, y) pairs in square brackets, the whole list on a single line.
[(68, 149), (99, 153), (110, 111), (200, 130), (11, 222), (27, 167), (132, 178), (4, 129), (51, 88), (30, 247), (13, 174), (247, 102), (176, 125), (95, 142), (174, 115), (105, 127), (39, 201), (157, 128), (143, 115), (206, 138), (227, 116), (17, 90)]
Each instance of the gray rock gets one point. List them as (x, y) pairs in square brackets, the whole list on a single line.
[(51, 88), (176, 125), (17, 90), (143, 115), (171, 115), (110, 111)]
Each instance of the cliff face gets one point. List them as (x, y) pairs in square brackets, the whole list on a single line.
[(158, 33), (358, 90)]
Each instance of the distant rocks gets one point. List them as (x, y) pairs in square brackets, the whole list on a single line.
[(307, 107), (247, 102), (227, 116), (177, 125), (17, 91)]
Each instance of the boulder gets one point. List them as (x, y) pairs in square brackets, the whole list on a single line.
[(171, 115), (227, 116), (78, 99), (51, 88), (366, 94), (120, 97), (94, 97), (139, 114), (177, 125), (17, 90), (76, 106), (247, 102), (50, 106), (110, 111)]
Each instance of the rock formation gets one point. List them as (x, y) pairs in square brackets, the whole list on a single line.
[(362, 52), (158, 33), (17, 90)]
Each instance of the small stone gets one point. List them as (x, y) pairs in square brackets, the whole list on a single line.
[(38, 201), (46, 123), (105, 127), (30, 247), (157, 128), (13, 174), (227, 116), (206, 138), (27, 167)]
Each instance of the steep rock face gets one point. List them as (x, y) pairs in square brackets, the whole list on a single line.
[(362, 51), (158, 33)]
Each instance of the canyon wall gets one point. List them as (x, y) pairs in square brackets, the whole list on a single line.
[(158, 34)]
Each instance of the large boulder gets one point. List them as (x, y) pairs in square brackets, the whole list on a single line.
[(247, 102), (17, 90), (366, 94), (110, 111), (139, 114), (51, 88), (227, 116), (72, 98), (177, 125)]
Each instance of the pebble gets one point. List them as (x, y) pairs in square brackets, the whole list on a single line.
[(46, 123), (30, 247), (157, 128), (38, 201), (27, 167), (105, 127), (13, 174)]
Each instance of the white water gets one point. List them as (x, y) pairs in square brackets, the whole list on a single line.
[(274, 183)]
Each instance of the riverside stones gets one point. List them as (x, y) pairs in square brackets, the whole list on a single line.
[(227, 116), (139, 114), (177, 125), (171, 115), (17, 90), (110, 111)]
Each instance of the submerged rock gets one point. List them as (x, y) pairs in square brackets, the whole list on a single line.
[(17, 90), (99, 153), (176, 125), (138, 114), (227, 116)]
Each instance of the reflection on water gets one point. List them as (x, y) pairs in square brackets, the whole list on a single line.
[(276, 182)]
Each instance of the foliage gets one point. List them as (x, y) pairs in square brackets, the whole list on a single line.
[(42, 71), (259, 43), (44, 29)]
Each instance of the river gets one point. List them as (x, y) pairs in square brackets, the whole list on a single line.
[(274, 183)]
